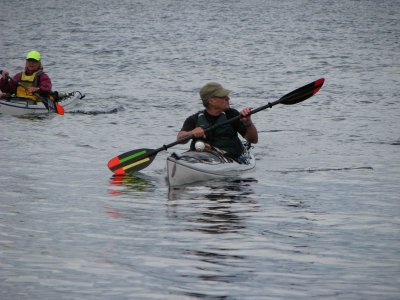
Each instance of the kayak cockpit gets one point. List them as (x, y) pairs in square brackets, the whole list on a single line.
[(210, 157)]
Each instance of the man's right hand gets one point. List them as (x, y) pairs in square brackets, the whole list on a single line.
[(198, 132)]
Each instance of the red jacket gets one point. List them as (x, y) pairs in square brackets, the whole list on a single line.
[(10, 86)]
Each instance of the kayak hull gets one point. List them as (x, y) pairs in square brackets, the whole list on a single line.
[(192, 166), (17, 106)]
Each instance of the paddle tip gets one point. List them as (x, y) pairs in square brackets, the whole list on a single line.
[(318, 84), (113, 162)]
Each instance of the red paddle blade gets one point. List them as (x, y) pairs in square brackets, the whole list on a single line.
[(302, 93), (59, 109), (131, 161), (113, 162)]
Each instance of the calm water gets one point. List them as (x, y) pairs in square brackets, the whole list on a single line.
[(318, 218)]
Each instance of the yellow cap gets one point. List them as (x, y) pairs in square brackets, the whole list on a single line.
[(33, 55)]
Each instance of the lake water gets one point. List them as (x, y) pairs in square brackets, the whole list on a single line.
[(317, 219)]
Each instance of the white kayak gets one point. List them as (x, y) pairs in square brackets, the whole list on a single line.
[(193, 166), (18, 106)]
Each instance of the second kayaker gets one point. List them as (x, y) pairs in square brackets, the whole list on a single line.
[(33, 78)]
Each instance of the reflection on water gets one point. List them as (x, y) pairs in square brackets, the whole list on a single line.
[(199, 230), (130, 195), (217, 189), (111, 212), (222, 213), (130, 183), (314, 170), (212, 216), (97, 112), (36, 117)]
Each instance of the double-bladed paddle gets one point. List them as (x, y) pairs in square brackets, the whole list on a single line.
[(136, 160), (50, 105)]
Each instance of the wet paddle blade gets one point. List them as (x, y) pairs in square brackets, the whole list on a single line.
[(132, 161)]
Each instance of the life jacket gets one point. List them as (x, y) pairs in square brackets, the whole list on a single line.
[(223, 137), (28, 80)]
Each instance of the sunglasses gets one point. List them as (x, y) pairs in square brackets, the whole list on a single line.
[(223, 98)]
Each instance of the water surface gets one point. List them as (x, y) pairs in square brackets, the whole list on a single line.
[(317, 219)]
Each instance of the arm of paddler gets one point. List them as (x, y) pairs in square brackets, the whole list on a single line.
[(198, 132), (251, 134)]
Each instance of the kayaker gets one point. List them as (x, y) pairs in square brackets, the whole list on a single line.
[(215, 99), (33, 77)]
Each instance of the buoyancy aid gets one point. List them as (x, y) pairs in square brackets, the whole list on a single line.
[(28, 81), (223, 137)]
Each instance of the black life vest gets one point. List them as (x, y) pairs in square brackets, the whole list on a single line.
[(223, 137)]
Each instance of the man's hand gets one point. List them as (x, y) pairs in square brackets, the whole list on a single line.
[(5, 74), (245, 113), (198, 132), (33, 89)]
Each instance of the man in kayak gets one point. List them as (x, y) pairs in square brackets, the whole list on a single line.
[(31, 80), (215, 99)]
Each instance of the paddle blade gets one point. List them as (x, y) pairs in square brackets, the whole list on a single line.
[(302, 93), (59, 109), (132, 161)]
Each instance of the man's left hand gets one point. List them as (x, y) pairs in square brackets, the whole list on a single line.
[(244, 112), (33, 89)]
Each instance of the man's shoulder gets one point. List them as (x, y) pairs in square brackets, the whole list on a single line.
[(193, 117), (43, 74), (196, 114), (17, 76)]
